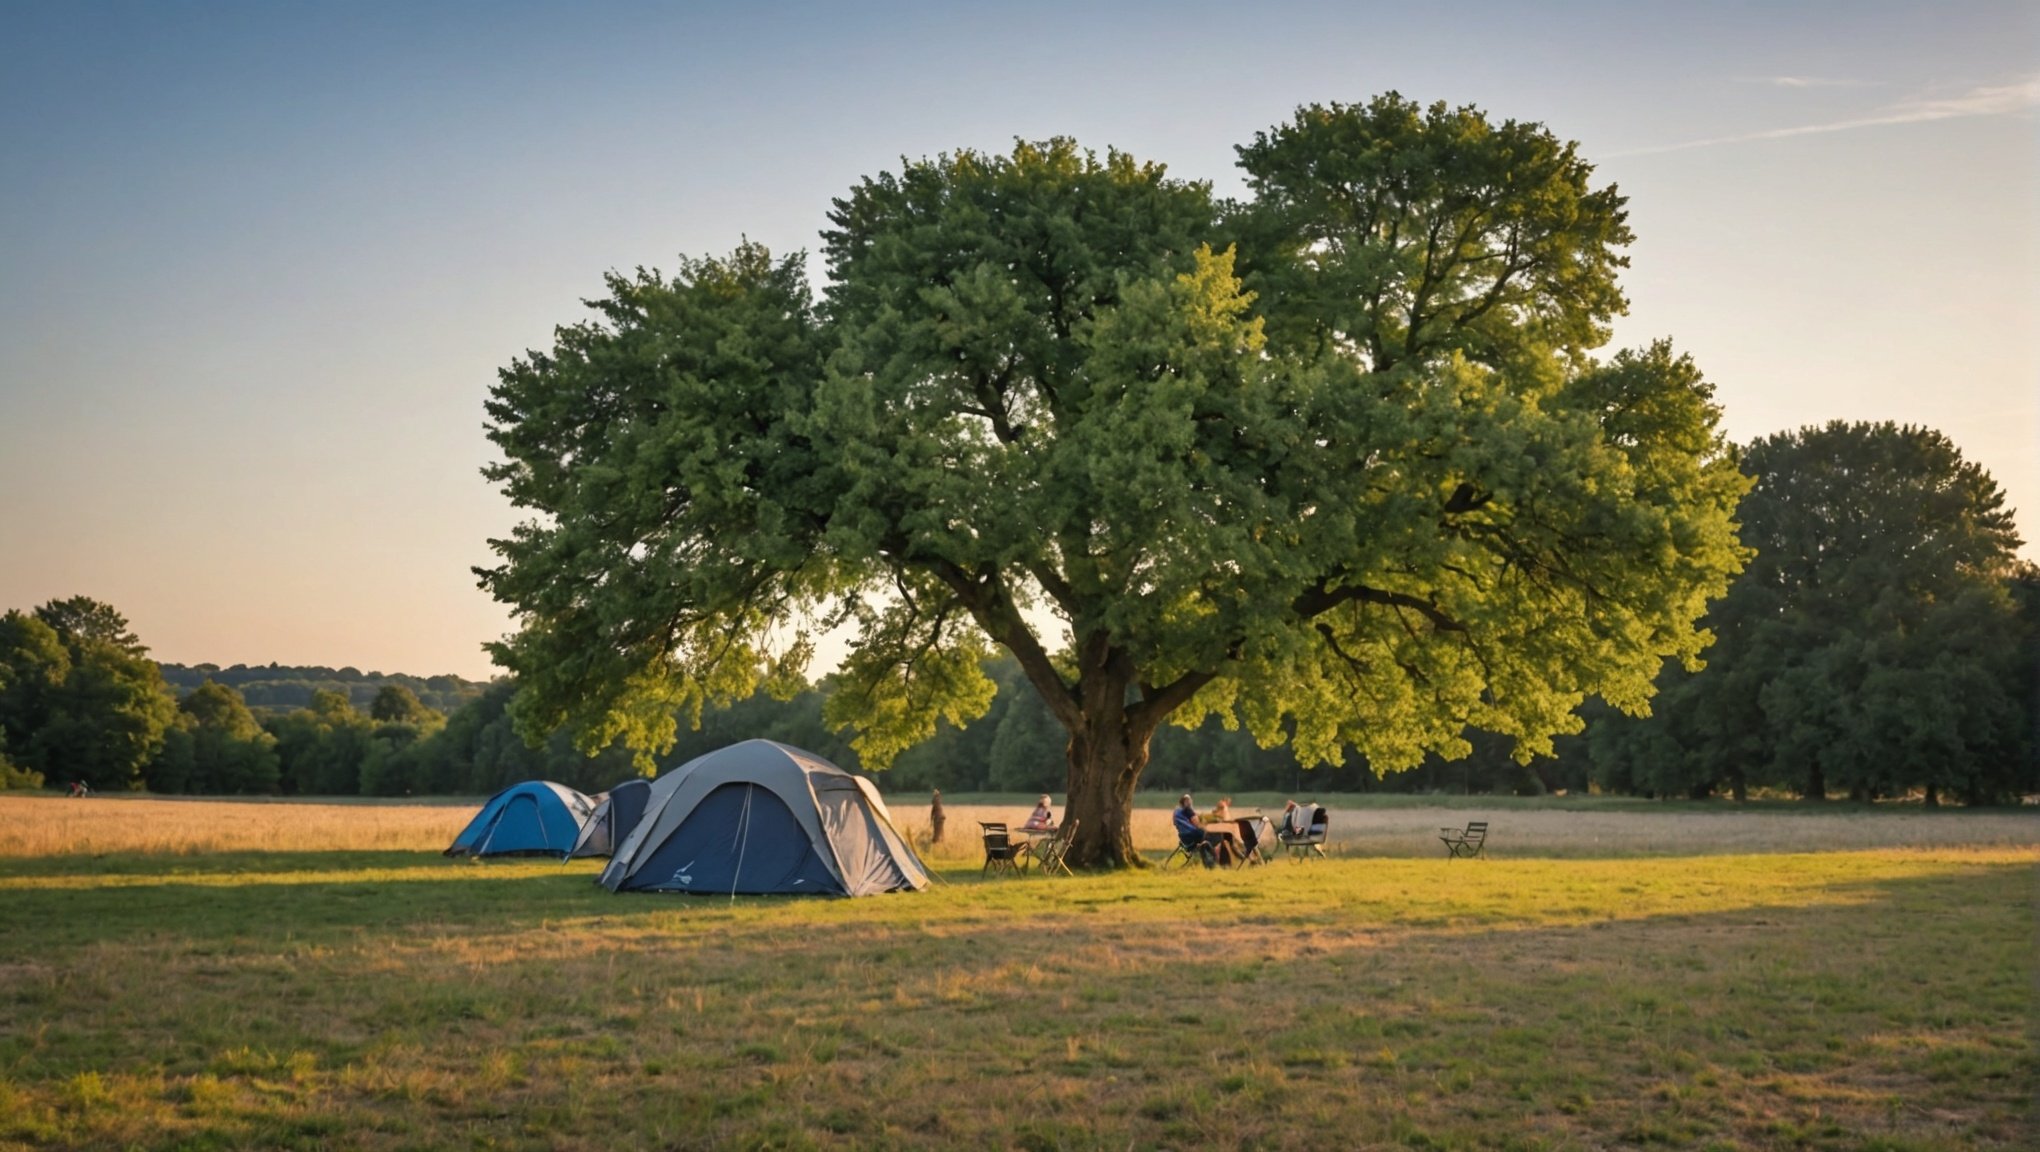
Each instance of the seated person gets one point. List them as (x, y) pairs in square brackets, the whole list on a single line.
[(1042, 818), (1224, 840), (1295, 820), (1190, 834)]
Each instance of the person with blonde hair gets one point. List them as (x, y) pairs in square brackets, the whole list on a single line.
[(1042, 818)]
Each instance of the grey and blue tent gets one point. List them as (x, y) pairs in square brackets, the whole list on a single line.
[(538, 818), (616, 813), (763, 818)]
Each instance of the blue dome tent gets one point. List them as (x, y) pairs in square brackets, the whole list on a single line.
[(616, 814), (758, 818), (538, 818)]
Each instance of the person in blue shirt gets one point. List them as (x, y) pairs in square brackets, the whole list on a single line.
[(1190, 833)]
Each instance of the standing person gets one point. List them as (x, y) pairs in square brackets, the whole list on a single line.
[(936, 819)]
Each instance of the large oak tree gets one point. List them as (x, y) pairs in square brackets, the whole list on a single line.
[(1338, 463)]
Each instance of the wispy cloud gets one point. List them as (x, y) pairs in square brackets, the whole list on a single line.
[(1989, 100), (1805, 82)]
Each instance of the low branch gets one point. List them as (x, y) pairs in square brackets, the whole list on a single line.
[(988, 602), (1157, 702)]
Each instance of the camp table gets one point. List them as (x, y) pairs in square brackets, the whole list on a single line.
[(1240, 818), (1033, 836)]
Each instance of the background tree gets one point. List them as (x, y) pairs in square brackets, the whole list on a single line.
[(1871, 647), (2023, 584), (33, 666), (394, 703), (81, 700), (1390, 497), (81, 619), (31, 660), (12, 775), (397, 756), (1026, 753), (321, 748), (216, 747), (275, 688)]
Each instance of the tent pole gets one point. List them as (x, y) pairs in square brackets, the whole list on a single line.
[(743, 839)]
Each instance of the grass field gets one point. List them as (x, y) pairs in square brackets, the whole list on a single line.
[(213, 975)]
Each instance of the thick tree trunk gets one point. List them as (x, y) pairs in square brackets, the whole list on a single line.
[(1106, 755), (1104, 768), (1816, 784)]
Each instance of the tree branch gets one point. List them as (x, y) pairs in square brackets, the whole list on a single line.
[(989, 603), (1321, 599), (1157, 702)]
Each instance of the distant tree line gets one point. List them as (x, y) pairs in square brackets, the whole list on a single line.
[(283, 687), (1884, 640)]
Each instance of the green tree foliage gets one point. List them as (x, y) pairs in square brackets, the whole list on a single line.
[(479, 751), (395, 765), (282, 687), (2024, 587), (82, 620), (1377, 492), (215, 747), (395, 703), (33, 667), (322, 748), (1872, 647), (1027, 749), (12, 775), (79, 697)]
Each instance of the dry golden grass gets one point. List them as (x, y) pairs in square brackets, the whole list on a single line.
[(57, 826), (1568, 832), (50, 826)]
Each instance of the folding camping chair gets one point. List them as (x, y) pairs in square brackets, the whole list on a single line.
[(1001, 854), (1186, 853), (1468, 842), (1311, 840), (1049, 853), (1253, 842)]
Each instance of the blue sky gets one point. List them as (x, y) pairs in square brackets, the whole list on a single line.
[(259, 263)]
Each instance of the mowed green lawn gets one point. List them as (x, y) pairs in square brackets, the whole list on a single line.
[(397, 1000)]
